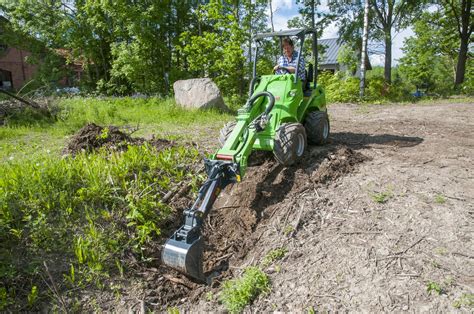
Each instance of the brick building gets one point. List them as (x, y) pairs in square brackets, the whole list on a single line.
[(15, 72)]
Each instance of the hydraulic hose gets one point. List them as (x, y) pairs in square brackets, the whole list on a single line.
[(252, 85), (270, 97)]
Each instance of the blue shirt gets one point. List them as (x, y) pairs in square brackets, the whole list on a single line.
[(284, 62)]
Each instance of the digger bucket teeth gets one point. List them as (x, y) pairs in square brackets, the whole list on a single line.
[(185, 257)]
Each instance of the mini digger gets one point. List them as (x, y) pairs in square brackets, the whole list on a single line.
[(282, 115)]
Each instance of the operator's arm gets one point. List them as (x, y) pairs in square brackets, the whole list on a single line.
[(291, 69), (288, 68)]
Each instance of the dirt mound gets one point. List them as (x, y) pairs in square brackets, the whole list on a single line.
[(336, 164), (92, 136)]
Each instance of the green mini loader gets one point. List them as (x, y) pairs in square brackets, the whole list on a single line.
[(281, 115)]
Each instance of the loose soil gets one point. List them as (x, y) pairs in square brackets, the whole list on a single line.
[(92, 137), (370, 221)]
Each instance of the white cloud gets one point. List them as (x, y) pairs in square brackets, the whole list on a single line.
[(281, 4), (281, 22), (323, 6), (376, 60), (397, 44), (330, 31)]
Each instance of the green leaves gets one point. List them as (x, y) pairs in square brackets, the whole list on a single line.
[(238, 293), (430, 54), (92, 209), (218, 52)]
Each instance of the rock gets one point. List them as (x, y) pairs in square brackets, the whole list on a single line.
[(200, 93)]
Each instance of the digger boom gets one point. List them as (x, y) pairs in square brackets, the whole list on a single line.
[(184, 249)]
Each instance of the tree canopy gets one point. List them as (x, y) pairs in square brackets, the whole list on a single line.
[(144, 46)]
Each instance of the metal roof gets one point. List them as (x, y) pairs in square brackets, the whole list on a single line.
[(289, 32), (331, 50)]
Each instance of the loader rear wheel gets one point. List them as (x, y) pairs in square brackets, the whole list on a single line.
[(290, 143), (317, 127), (225, 132)]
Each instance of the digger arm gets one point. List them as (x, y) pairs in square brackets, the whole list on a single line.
[(251, 120), (184, 249)]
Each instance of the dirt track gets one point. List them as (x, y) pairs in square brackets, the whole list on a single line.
[(380, 212)]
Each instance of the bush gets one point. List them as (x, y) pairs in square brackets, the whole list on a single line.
[(339, 88), (342, 88)]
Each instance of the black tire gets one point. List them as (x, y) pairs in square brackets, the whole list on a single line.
[(317, 127), (225, 132), (290, 143)]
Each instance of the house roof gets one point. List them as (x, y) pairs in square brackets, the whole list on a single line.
[(289, 32), (332, 49)]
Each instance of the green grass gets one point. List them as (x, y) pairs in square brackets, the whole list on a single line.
[(440, 199), (82, 215), (466, 300), (382, 197), (448, 100), (238, 293), (274, 255), (27, 135), (90, 210), (434, 287)]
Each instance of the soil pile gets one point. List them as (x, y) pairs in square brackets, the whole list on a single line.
[(92, 137)]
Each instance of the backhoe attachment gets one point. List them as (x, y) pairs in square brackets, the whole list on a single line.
[(184, 249)]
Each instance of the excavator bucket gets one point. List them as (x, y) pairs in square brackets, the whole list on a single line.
[(184, 249), (183, 256)]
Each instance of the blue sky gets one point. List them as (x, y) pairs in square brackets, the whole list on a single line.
[(283, 10)]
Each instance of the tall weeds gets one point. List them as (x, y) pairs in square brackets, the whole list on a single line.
[(81, 215)]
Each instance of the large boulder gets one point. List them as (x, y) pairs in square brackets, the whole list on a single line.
[(200, 93)]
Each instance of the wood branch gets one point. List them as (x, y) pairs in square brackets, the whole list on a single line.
[(22, 100), (361, 232), (453, 9), (53, 287), (399, 12), (379, 13), (180, 281), (297, 223), (170, 193), (406, 250)]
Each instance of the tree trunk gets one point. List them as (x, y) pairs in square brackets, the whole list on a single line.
[(388, 56), (271, 15), (315, 43), (363, 61), (462, 58), (465, 31)]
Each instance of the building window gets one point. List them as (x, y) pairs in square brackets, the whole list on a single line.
[(3, 48), (6, 82)]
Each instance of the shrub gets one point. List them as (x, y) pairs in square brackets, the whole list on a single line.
[(339, 88)]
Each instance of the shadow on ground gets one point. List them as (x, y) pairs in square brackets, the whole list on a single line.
[(363, 140)]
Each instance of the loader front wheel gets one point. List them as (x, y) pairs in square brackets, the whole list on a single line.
[(317, 127), (225, 132), (290, 143)]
